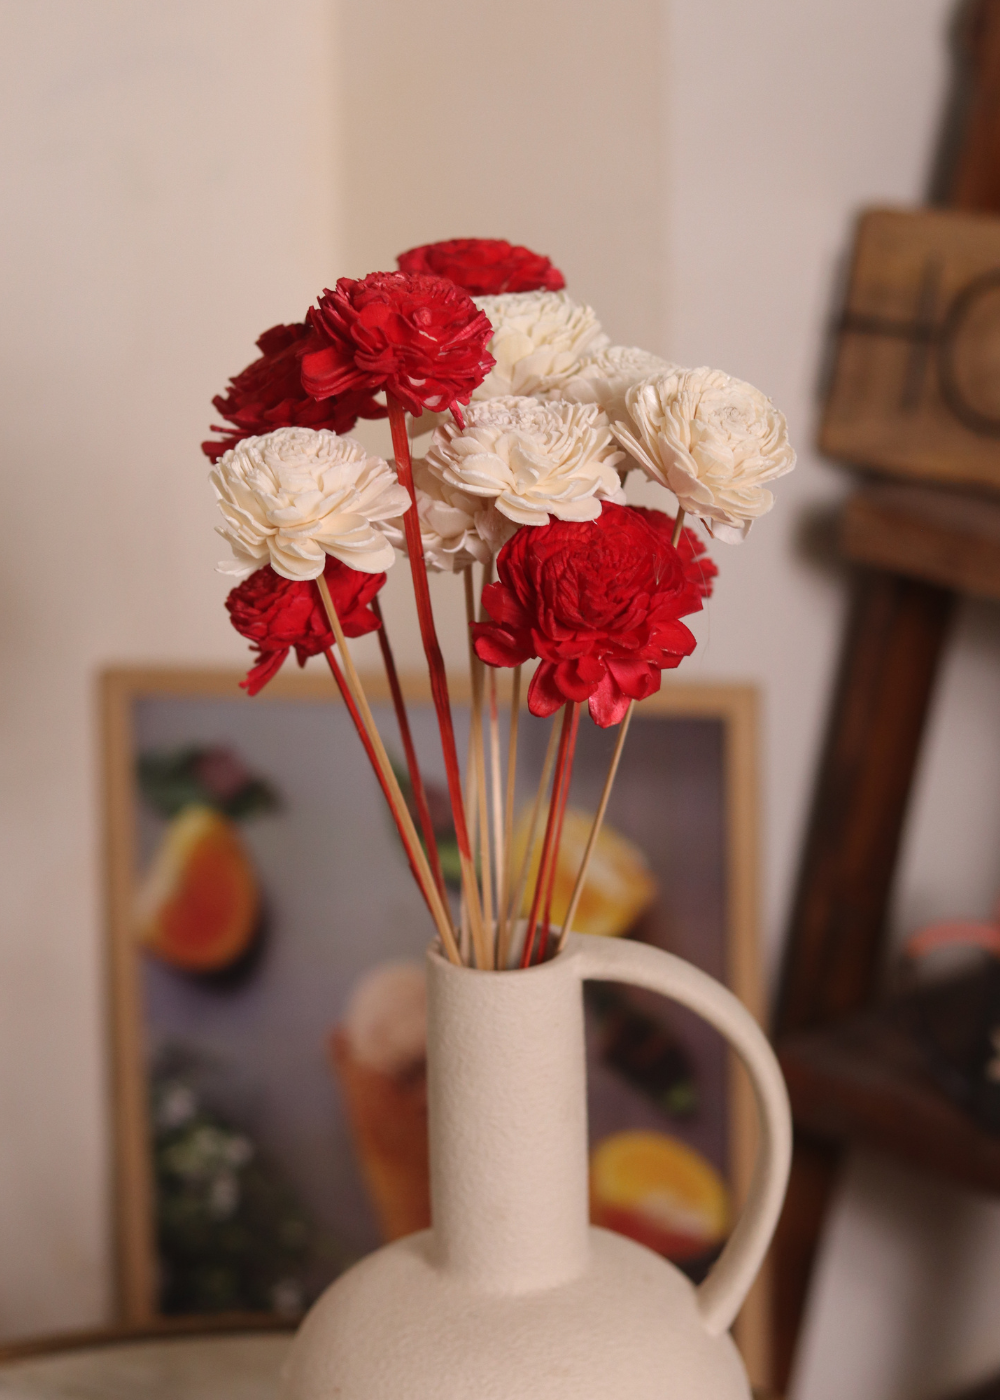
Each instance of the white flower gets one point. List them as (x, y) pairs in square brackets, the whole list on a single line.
[(712, 440), (539, 340), (294, 496), (531, 459), (456, 528), (605, 378)]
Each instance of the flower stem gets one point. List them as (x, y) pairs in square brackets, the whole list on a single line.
[(550, 879), (435, 661), (503, 932), (478, 777), (569, 709), (397, 803), (355, 715), (595, 829), (536, 811), (678, 527), (412, 766)]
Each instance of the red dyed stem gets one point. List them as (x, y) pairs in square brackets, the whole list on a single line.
[(563, 798), (428, 632), (550, 826), (352, 710), (412, 766)]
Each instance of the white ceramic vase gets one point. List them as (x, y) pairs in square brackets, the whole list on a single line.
[(512, 1295)]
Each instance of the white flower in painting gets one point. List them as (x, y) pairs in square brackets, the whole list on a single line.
[(531, 459), (291, 497), (605, 378), (712, 440), (456, 529), (539, 340)]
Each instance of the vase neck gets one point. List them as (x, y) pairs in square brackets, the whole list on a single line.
[(508, 1124)]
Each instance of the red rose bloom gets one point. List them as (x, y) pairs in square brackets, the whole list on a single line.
[(268, 394), (699, 566), (421, 338), (278, 613), (485, 266), (599, 602)]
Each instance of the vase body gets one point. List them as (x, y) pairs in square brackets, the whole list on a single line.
[(512, 1295)]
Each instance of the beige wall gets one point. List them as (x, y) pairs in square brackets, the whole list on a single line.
[(182, 174), (168, 179)]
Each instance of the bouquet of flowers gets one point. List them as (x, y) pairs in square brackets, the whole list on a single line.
[(535, 420)]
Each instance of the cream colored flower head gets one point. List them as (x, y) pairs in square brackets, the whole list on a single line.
[(294, 496), (531, 459), (605, 378), (539, 340), (713, 440), (456, 529)]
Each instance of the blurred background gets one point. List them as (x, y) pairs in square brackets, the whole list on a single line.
[(179, 175)]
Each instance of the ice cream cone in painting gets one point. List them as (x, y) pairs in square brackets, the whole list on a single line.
[(379, 1056), (660, 1192), (620, 885)]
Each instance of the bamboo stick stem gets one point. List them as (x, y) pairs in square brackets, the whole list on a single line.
[(536, 811), (483, 945), (409, 748), (678, 527), (550, 878), (503, 931), (595, 829), (369, 749), (439, 911), (435, 661), (569, 710)]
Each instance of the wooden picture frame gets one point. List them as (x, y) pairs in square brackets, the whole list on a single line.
[(124, 693), (913, 390)]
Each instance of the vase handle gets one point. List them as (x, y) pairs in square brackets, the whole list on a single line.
[(721, 1295)]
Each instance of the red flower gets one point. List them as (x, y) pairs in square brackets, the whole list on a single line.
[(485, 266), (421, 338), (268, 394), (278, 613), (598, 602), (699, 566)]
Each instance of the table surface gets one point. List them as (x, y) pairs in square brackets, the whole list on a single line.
[(240, 1366), (176, 1368)]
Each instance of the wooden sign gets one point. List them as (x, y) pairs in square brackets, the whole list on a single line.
[(916, 378)]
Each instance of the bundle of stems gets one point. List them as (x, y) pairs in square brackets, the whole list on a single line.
[(493, 892)]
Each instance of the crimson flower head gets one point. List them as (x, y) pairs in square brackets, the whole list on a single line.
[(419, 337), (485, 266), (268, 394), (699, 566), (599, 602), (277, 614)]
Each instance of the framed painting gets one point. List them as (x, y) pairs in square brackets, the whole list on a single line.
[(265, 952)]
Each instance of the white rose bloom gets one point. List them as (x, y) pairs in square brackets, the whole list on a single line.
[(713, 440), (291, 497), (531, 459), (605, 378), (539, 340), (456, 528)]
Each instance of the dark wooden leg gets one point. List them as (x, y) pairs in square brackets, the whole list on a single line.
[(890, 661), (815, 1171), (986, 1390)]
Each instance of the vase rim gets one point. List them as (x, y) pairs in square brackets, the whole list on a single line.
[(436, 954)]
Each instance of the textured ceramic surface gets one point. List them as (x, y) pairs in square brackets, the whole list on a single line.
[(512, 1294)]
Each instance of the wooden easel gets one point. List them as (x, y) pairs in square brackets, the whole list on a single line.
[(852, 1079)]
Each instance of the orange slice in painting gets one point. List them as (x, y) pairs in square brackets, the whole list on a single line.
[(660, 1192), (620, 885), (199, 905)]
